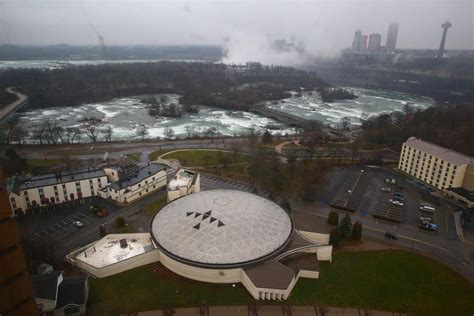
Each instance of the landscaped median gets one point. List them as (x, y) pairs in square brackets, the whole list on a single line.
[(390, 280)]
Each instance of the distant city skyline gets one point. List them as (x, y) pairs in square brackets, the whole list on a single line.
[(246, 29)]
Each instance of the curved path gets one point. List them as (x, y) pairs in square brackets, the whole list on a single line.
[(12, 107)]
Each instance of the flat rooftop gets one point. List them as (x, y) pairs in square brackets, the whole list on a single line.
[(108, 250), (182, 178)]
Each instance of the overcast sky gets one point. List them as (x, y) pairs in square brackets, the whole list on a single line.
[(322, 26)]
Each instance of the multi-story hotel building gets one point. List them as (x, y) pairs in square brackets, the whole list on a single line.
[(442, 168), (121, 185)]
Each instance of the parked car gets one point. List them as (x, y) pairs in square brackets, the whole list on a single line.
[(428, 209), (425, 219), (396, 202), (386, 189), (428, 226), (390, 235), (78, 224)]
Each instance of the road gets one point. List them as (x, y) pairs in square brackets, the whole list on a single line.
[(10, 108)]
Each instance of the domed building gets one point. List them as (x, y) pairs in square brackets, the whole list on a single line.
[(227, 236)]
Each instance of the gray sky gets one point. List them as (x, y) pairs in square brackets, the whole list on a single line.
[(246, 27)]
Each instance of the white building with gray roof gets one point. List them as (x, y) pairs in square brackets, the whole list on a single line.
[(121, 185)]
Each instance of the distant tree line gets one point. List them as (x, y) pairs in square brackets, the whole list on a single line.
[(450, 126), (199, 83)]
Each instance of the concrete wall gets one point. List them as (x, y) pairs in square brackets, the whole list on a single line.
[(121, 266), (316, 237), (324, 253), (201, 274), (185, 190), (468, 181)]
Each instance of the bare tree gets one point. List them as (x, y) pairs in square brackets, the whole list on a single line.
[(252, 136), (90, 128), (169, 133), (18, 134), (107, 131), (345, 122), (71, 134), (211, 132), (142, 131), (190, 130)]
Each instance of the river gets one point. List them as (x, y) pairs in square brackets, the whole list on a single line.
[(124, 115)]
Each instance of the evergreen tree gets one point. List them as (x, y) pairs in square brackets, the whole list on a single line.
[(333, 218), (335, 237), (286, 205), (357, 230), (345, 226)]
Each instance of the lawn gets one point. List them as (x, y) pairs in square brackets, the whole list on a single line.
[(152, 208), (193, 158), (383, 280), (135, 157), (43, 162)]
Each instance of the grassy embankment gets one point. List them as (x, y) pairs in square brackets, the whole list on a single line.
[(221, 163), (389, 280)]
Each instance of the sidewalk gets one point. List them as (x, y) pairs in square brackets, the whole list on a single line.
[(269, 310)]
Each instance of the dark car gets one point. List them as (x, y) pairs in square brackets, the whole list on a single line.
[(428, 226), (390, 235)]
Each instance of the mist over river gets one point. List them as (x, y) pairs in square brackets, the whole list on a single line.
[(124, 115)]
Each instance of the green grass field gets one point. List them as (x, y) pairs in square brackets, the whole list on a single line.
[(193, 158), (382, 280)]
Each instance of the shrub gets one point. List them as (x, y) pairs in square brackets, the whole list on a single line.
[(286, 205), (345, 226), (335, 237), (357, 230), (119, 222), (333, 218)]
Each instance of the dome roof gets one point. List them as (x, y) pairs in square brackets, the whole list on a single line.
[(221, 228)]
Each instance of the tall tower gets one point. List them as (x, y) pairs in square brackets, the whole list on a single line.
[(392, 37), (446, 25), (356, 41), (16, 293), (374, 42)]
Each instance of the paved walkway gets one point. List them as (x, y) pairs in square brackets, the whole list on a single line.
[(7, 109), (269, 310)]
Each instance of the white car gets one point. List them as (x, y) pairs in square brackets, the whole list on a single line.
[(386, 189), (399, 203), (78, 224)]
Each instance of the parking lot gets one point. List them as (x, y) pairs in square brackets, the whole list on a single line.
[(57, 221), (365, 191)]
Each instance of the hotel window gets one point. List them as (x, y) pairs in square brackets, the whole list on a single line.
[(41, 193), (100, 182)]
